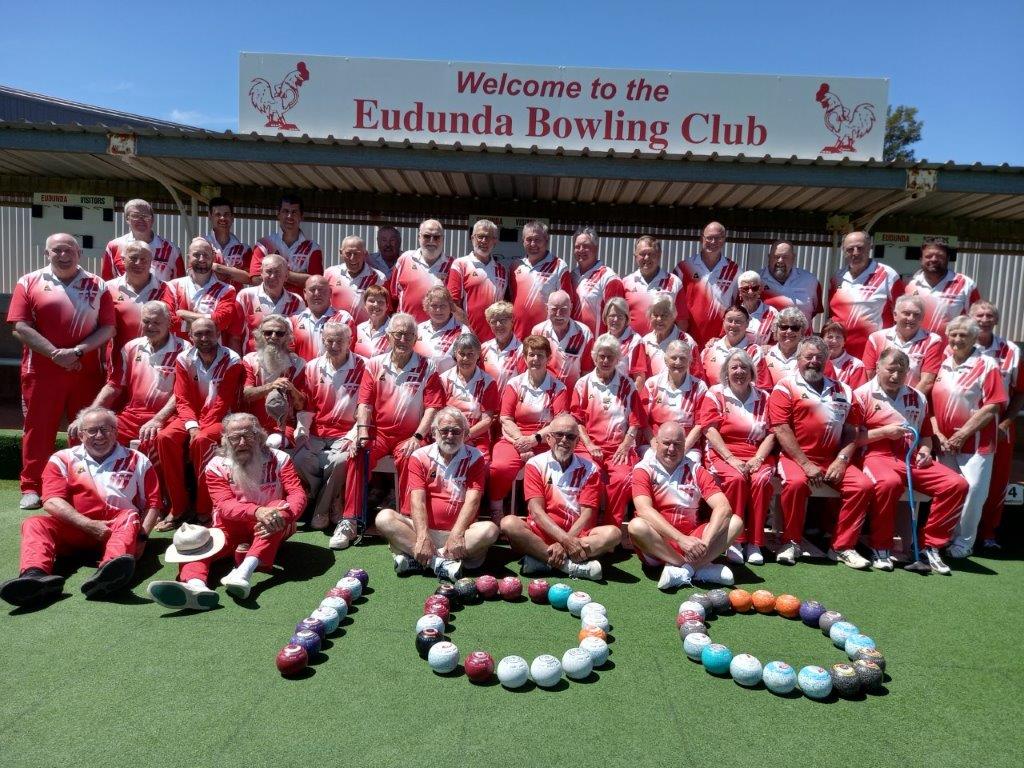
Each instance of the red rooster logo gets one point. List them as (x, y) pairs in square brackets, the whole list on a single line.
[(846, 125), (274, 100)]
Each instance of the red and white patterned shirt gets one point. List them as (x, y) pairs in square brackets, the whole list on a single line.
[(331, 394), (399, 396), (102, 489), (475, 398), (234, 254), (280, 487), (743, 424), (714, 355), (529, 288), (709, 292), (533, 407), (128, 310), (474, 285), (665, 402), (961, 390), (304, 255), (1007, 356), (909, 406), (816, 418), (925, 351), (656, 352), (606, 411), (203, 394), (503, 364), (951, 297), (347, 290), (437, 343), (146, 375), (309, 330), (167, 261), (864, 304), (593, 290), (216, 299), (572, 354), (445, 482), (640, 294), (564, 492), (761, 325), (253, 304), (369, 341), (847, 369), (801, 290), (256, 376), (412, 277), (675, 495)]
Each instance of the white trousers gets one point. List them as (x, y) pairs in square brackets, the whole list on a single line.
[(976, 469)]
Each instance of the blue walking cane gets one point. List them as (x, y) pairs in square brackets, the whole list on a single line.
[(917, 566)]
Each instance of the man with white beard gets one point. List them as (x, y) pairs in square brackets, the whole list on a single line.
[(257, 497), (272, 391)]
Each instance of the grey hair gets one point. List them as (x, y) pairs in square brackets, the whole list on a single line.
[(159, 307), (342, 328), (403, 318), (274, 257), (467, 341), (96, 410), (964, 323), (588, 232), (606, 342), (743, 358), (813, 341), (662, 300), (451, 413), (137, 245), (910, 299), (750, 276), (137, 204), (277, 318), (790, 316), (898, 356), (536, 226), (616, 302), (488, 225)]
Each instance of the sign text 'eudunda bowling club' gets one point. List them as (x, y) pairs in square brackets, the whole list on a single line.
[(568, 107)]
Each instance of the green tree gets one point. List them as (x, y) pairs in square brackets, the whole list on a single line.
[(902, 128)]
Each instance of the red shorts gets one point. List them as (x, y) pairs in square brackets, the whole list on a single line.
[(698, 532), (544, 537)]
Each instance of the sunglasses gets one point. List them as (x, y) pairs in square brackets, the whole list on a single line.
[(275, 334), (791, 327), (449, 430)]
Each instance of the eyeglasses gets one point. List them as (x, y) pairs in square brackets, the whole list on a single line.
[(96, 431), (140, 217), (570, 436), (402, 334), (791, 327), (236, 439), (750, 288), (273, 334), (429, 237), (449, 430)]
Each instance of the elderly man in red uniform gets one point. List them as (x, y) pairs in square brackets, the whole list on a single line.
[(572, 343), (398, 396), (272, 391), (419, 270), (130, 291), (308, 325), (562, 491), (476, 280), (438, 527), (350, 279), (167, 261), (230, 255), (667, 489), (257, 498), (268, 298), (786, 285), (946, 293), (207, 384), (539, 274), (862, 294), (709, 284), (99, 497), (650, 282), (302, 256), (816, 423), (62, 315), (594, 282), (200, 293)]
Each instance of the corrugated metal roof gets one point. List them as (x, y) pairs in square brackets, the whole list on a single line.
[(17, 105), (500, 173)]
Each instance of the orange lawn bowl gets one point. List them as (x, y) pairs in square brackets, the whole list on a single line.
[(764, 601), (788, 606), (591, 631), (740, 600)]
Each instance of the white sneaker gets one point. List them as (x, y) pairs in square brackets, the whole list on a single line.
[(676, 576), (958, 551), (449, 570), (237, 585), (530, 566), (591, 569), (343, 535), (754, 556), (405, 564), (882, 559), (30, 500), (179, 596), (713, 573), (851, 558), (934, 559), (789, 554), (734, 554)]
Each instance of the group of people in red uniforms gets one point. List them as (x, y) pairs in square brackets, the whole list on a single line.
[(248, 387)]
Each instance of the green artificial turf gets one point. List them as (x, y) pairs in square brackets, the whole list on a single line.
[(128, 683)]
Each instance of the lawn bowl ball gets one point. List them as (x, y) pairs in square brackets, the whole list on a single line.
[(344, 594), (589, 630), (685, 616), (546, 670), (779, 677), (443, 657), (292, 659), (788, 606), (430, 621), (597, 648), (716, 658), (840, 632), (844, 680), (690, 626), (465, 588), (361, 574), (438, 609), (871, 654), (330, 617), (307, 639), (827, 619), (703, 601), (510, 588), (336, 603), (593, 608), (763, 600), (538, 592), (577, 663), (690, 605), (352, 584), (869, 674), (513, 671), (313, 625), (479, 666), (855, 642), (740, 600), (720, 601), (810, 612), (815, 682), (426, 640), (487, 586), (448, 590), (694, 645), (596, 620), (745, 670), (437, 600), (575, 602), (558, 595)]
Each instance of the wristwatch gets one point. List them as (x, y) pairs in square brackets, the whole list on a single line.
[(538, 438), (418, 436)]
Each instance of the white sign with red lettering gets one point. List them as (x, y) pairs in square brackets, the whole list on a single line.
[(570, 107)]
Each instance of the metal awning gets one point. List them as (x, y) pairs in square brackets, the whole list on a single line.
[(975, 201)]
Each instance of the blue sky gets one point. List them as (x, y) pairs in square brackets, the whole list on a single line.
[(960, 63)]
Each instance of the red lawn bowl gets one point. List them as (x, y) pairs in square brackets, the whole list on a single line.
[(479, 666), (292, 659), (510, 588)]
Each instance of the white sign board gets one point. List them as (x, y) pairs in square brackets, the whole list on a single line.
[(910, 239), (89, 218), (570, 107)]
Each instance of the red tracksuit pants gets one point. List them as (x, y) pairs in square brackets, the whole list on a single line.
[(237, 532), (505, 465), (946, 487), (44, 538), (855, 493), (355, 483), (749, 498), (992, 512), (170, 445), (617, 482)]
